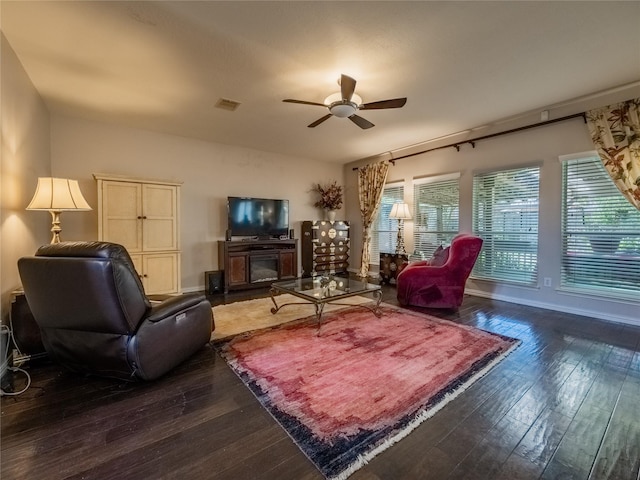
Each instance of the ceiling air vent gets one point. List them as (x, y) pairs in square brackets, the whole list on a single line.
[(226, 104)]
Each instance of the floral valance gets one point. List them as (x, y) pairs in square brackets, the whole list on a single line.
[(615, 131)]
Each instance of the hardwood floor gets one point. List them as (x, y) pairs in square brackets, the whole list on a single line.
[(564, 405)]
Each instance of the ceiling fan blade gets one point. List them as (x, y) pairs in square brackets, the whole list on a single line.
[(319, 121), (347, 87), (303, 102), (393, 103), (361, 122)]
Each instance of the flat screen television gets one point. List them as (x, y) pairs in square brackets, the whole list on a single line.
[(258, 217)]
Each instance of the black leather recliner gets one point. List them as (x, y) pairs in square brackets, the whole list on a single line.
[(96, 319)]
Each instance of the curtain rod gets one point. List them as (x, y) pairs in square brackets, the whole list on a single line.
[(473, 141)]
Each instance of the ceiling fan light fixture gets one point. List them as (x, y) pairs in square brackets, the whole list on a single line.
[(343, 110)]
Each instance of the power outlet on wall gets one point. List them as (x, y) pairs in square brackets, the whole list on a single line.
[(547, 281)]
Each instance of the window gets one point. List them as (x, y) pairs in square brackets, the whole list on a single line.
[(505, 215), (436, 212), (384, 233), (600, 231)]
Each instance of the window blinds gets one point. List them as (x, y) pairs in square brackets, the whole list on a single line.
[(505, 215), (600, 231), (435, 213), (385, 231)]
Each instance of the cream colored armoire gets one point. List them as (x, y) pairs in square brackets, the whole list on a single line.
[(143, 216)]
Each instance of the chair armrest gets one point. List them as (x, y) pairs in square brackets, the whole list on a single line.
[(174, 305), (173, 331), (428, 273), (426, 268)]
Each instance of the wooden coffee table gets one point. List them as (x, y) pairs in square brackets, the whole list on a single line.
[(326, 289)]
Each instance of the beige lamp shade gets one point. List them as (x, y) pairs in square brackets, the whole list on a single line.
[(400, 211), (57, 195)]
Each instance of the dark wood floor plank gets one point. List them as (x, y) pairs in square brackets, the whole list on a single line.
[(604, 391), (563, 405), (485, 460), (619, 452), (631, 386), (538, 445), (635, 361), (423, 463), (518, 468), (577, 450)]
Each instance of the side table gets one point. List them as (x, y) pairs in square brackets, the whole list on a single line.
[(390, 265)]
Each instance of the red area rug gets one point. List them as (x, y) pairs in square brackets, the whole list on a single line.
[(364, 382)]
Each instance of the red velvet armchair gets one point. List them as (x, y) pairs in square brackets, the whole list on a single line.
[(440, 281)]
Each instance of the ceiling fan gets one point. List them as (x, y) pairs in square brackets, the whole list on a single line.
[(346, 103)]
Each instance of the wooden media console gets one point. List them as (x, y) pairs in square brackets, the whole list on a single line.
[(257, 263)]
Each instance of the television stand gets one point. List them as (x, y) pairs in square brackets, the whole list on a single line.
[(257, 263)]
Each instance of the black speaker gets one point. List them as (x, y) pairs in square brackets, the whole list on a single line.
[(228, 235), (26, 332), (6, 361), (213, 282), (291, 236)]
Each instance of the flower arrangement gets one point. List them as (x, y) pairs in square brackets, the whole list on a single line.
[(330, 196)]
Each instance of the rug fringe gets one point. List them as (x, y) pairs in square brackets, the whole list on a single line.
[(363, 459)]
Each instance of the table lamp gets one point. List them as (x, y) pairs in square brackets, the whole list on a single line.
[(400, 211), (57, 195)]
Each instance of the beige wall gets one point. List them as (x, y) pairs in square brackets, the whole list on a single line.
[(541, 145), (210, 173), (25, 157)]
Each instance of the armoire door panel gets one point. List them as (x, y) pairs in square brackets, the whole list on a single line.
[(160, 272), (159, 234), (160, 229), (122, 217)]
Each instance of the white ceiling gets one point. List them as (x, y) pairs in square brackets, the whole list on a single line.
[(163, 66)]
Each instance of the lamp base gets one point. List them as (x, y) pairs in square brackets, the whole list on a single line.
[(55, 226), (400, 250)]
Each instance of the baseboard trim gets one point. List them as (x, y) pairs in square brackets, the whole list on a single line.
[(194, 289), (558, 308)]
